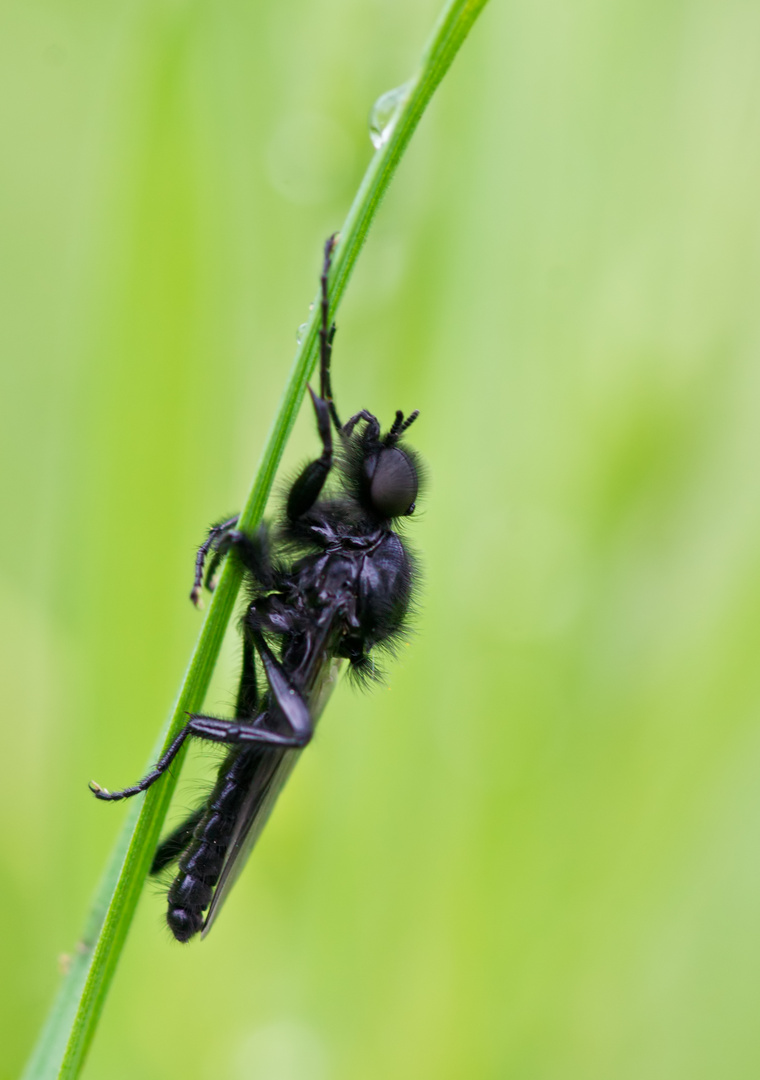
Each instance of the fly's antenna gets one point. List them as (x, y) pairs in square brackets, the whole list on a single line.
[(399, 426), (326, 334)]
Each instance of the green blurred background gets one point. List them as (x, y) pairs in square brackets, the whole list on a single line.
[(536, 853)]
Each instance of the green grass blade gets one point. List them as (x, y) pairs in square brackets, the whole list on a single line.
[(71, 1024)]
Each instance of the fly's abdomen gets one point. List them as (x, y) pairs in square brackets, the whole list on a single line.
[(201, 864)]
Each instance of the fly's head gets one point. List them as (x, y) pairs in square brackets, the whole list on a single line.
[(383, 472)]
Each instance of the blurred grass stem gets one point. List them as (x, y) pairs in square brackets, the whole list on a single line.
[(71, 1024)]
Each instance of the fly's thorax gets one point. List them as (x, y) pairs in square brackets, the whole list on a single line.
[(384, 588), (339, 578)]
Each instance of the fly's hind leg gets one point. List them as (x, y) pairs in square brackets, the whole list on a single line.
[(228, 732), (172, 846), (155, 773), (290, 706), (248, 691), (246, 730)]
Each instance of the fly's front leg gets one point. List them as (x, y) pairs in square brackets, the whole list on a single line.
[(373, 426), (327, 334), (307, 487)]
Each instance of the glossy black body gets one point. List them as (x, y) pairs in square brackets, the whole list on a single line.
[(328, 583)]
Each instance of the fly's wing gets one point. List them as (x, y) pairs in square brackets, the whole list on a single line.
[(270, 775)]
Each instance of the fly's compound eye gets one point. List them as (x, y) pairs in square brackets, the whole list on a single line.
[(393, 483)]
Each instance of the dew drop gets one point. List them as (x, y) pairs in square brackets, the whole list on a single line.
[(382, 119), (300, 333)]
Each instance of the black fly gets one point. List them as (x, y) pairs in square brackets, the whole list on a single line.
[(329, 582)]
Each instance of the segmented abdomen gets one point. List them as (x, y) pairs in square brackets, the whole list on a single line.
[(201, 863)]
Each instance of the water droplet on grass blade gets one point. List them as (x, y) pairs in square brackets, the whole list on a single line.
[(382, 119), (300, 332)]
